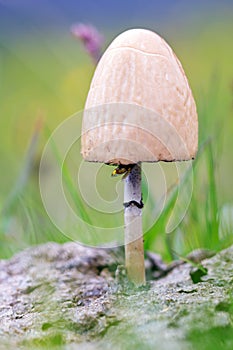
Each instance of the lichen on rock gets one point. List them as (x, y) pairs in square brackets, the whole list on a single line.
[(54, 295)]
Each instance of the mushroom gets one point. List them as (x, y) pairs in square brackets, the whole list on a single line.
[(139, 108)]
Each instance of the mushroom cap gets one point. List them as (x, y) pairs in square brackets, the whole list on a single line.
[(140, 107)]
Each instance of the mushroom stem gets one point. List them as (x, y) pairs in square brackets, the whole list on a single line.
[(134, 251)]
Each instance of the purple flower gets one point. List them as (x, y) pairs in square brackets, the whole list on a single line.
[(91, 39)]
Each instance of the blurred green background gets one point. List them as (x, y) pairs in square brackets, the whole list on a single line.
[(45, 76)]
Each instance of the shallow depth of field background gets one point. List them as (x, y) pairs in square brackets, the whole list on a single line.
[(45, 76)]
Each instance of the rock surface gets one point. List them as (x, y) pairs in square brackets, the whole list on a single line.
[(66, 296)]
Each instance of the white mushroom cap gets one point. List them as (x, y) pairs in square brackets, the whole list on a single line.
[(139, 107)]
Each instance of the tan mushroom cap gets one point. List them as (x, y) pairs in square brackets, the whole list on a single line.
[(139, 106)]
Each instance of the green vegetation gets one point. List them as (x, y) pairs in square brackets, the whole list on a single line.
[(50, 82)]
